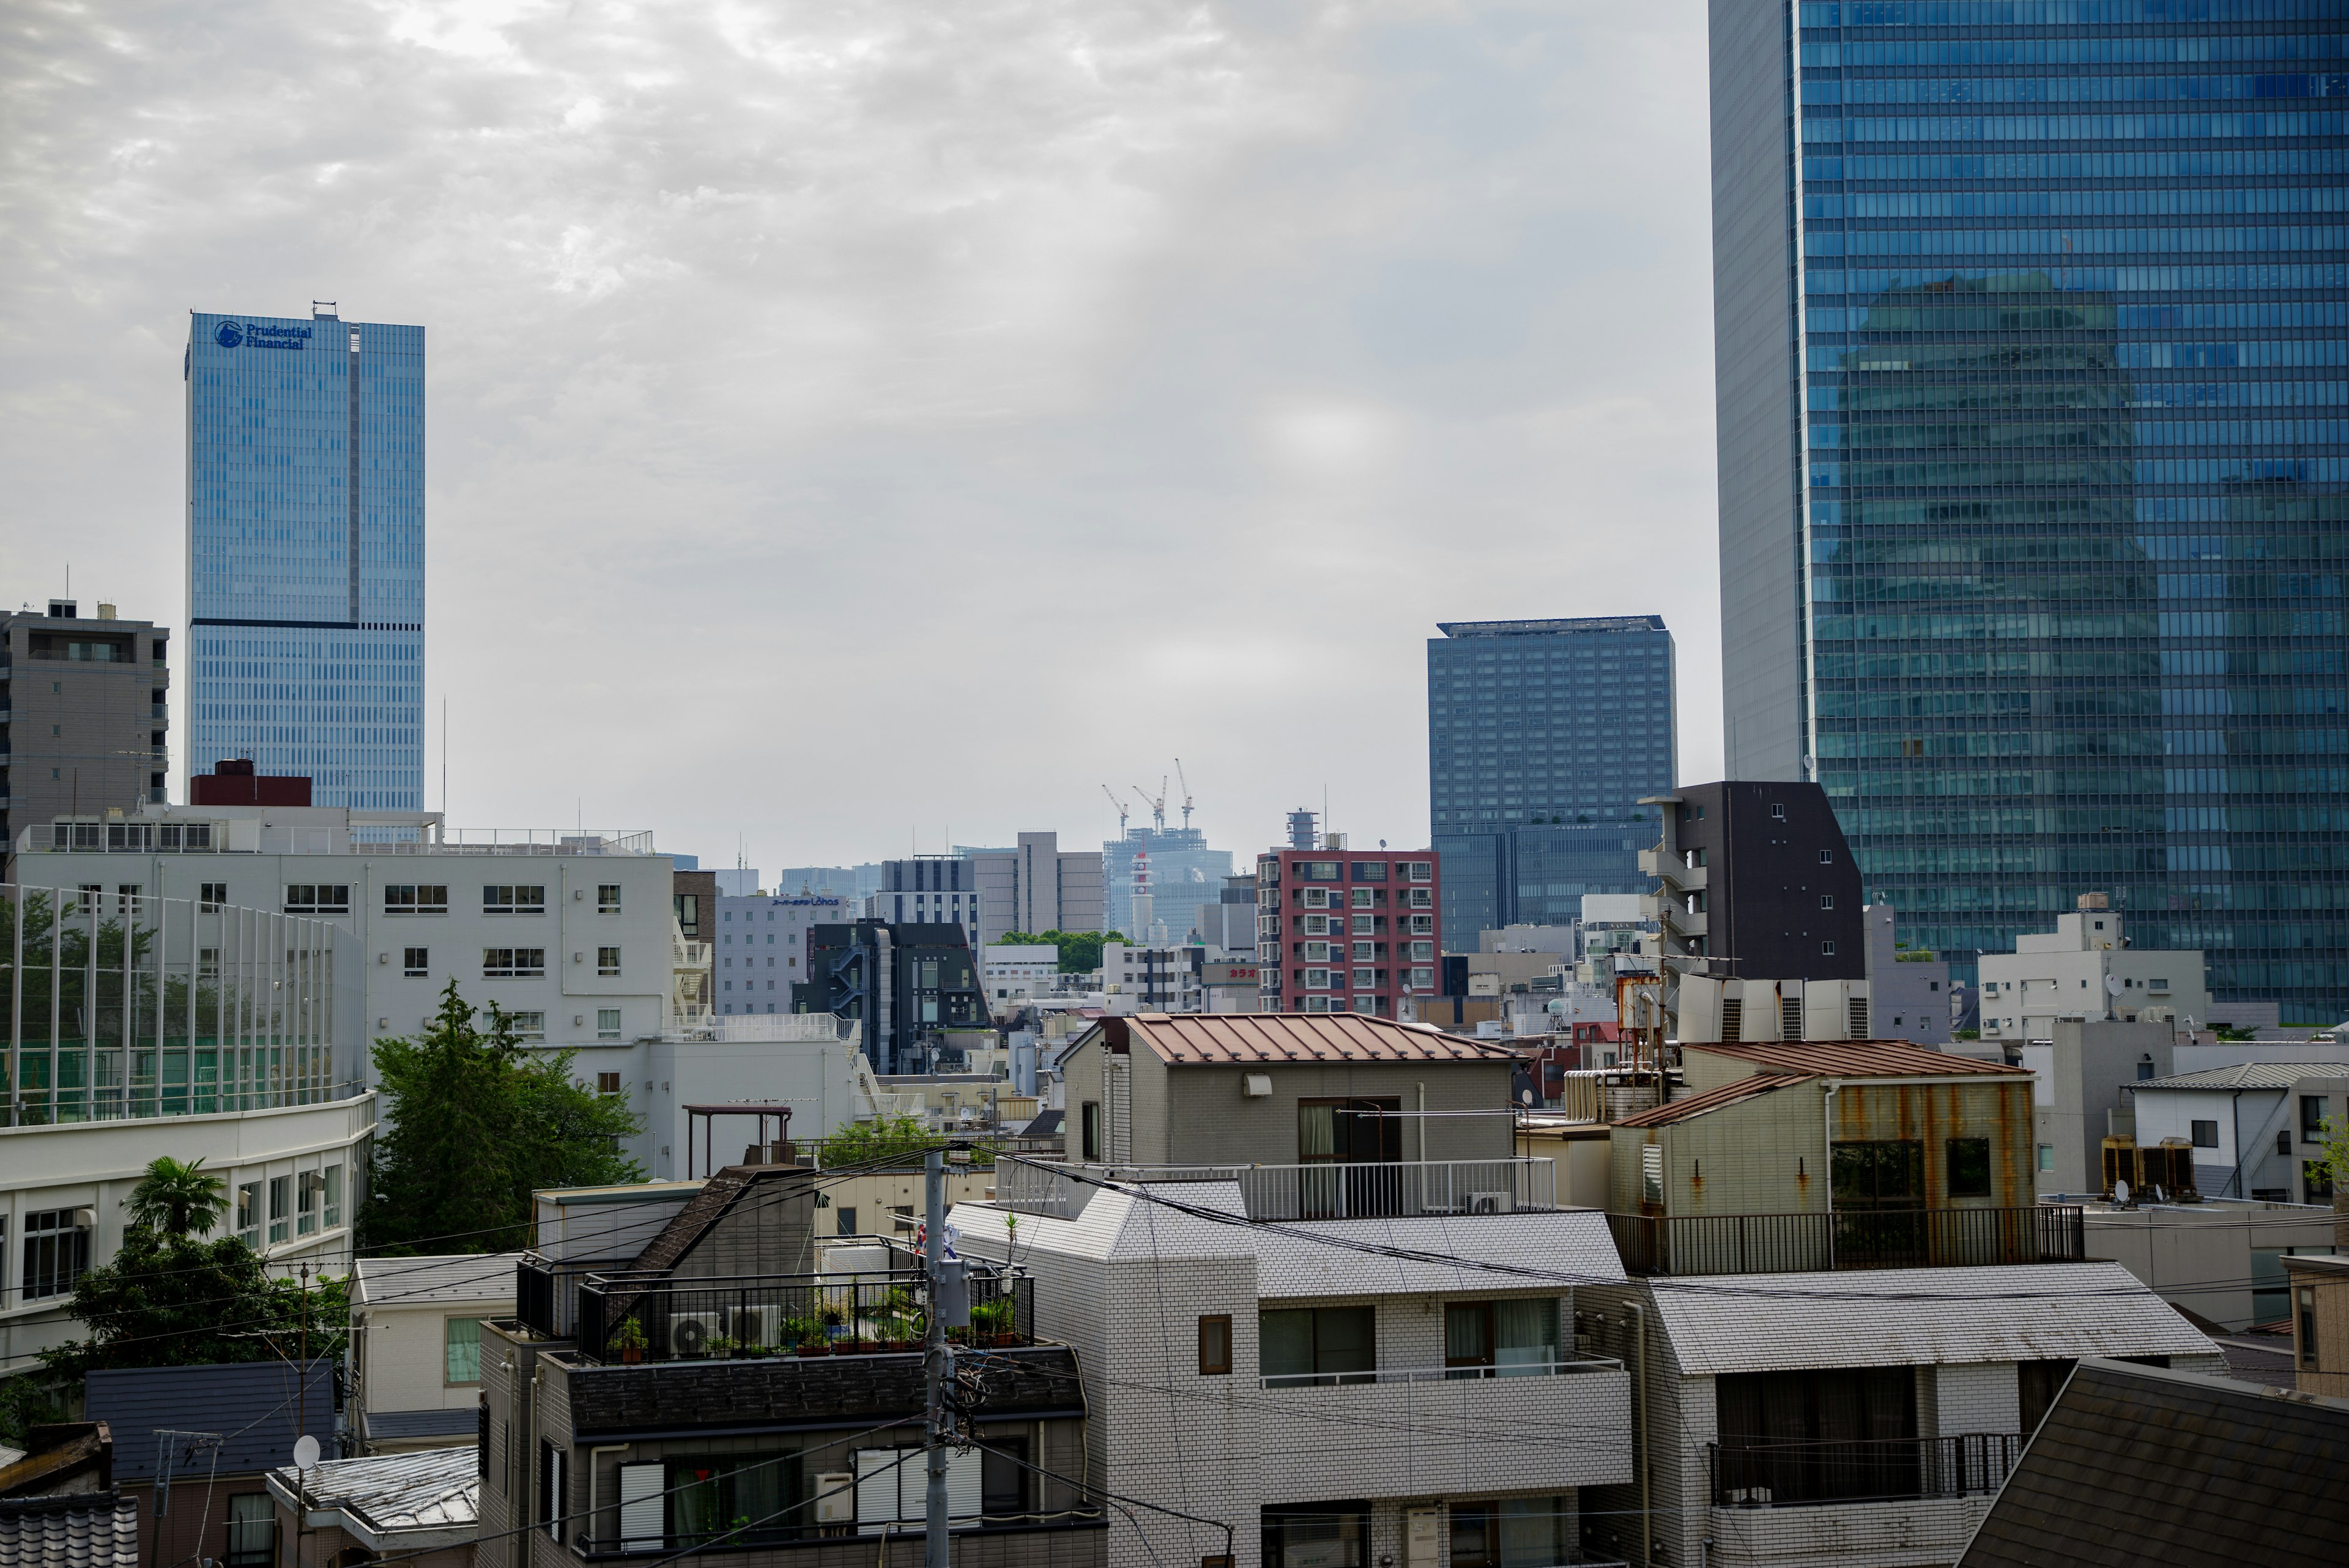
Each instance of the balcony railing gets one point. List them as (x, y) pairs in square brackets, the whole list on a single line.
[(1307, 1191), (626, 1317), (1876, 1239), (1767, 1473), (1440, 1374)]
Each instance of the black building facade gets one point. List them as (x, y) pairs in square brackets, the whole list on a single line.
[(909, 986), (1782, 893)]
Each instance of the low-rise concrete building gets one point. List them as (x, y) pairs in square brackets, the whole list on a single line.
[(415, 1365), (421, 1508), (2079, 1080), (2249, 1125), (2320, 1323), (2085, 972)]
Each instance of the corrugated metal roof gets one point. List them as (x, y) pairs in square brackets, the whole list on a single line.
[(1904, 1317), (402, 1499), (1204, 1038), (1713, 1099), (2140, 1464), (1859, 1059), (413, 1282), (251, 1404), (89, 1529), (2249, 1075)]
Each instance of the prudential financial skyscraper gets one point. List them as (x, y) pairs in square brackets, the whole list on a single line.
[(2031, 330), (305, 553)]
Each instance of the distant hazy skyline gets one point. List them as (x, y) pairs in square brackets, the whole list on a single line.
[(853, 423)]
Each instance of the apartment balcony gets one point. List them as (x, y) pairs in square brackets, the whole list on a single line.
[(633, 1317), (1883, 1239), (1894, 1503), (1448, 1430), (1383, 1190)]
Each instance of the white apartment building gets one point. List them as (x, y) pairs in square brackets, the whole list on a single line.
[(1135, 978), (2085, 972), (758, 947), (1019, 973), (227, 1036), (570, 933)]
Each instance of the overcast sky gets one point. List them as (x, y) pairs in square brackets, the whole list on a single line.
[(855, 423)]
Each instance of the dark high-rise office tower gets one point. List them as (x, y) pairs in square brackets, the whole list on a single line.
[(2031, 340), (1542, 735), (305, 553)]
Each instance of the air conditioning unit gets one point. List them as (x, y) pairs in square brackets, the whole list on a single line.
[(835, 1498), (690, 1332), (1491, 1203), (760, 1325)]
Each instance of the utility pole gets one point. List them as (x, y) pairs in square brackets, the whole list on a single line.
[(938, 1360)]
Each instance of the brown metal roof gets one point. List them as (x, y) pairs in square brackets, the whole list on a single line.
[(1858, 1059), (1196, 1039), (1713, 1099)]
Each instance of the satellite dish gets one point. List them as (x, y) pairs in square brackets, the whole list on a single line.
[(2120, 1193), (305, 1452), (1527, 1095), (2113, 984)]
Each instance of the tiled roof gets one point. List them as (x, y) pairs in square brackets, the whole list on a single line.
[(1908, 1317), (410, 1501), (1712, 1099), (1859, 1059), (399, 1424), (415, 1282), (2141, 1464), (250, 1403), (85, 1529), (1206, 1038), (2249, 1075)]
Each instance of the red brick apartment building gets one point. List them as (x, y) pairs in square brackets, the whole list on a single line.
[(1347, 931)]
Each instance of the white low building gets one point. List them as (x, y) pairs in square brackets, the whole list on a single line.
[(416, 1347), (2252, 1126), (2085, 971)]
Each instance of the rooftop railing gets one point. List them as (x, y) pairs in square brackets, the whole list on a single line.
[(1762, 1472), (632, 1317), (1440, 1374), (1303, 1192), (1873, 1238)]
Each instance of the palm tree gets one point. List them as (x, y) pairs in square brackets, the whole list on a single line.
[(177, 1198)]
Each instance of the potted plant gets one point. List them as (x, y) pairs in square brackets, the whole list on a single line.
[(991, 1321), (721, 1346), (628, 1338)]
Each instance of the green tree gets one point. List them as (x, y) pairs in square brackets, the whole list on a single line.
[(1080, 950), (477, 1123), (890, 1138), (178, 1196), (167, 1300)]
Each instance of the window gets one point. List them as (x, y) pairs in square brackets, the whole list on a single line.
[(608, 1083), (1827, 950), (608, 1023), (687, 909), (418, 961), (607, 898), (527, 1026), (2206, 1135), (252, 1530), (1514, 1532), (1968, 1167), (1088, 1130), (2038, 1382), (1353, 1131), (1880, 1175), (1368, 871), (305, 1190), (416, 899), (57, 1254), (2313, 1109), (460, 1344), (1817, 1436), (552, 1494), (1500, 1339), (508, 900), (1003, 1477), (1827, 856), (281, 1206), (1323, 1535), (248, 1214), (607, 961), (2046, 1157), (1652, 1173), (848, 1223), (1317, 871), (1301, 1345), (317, 898), (1826, 900), (2306, 1296), (1362, 900), (1216, 1345), (212, 896), (513, 964), (1777, 813), (1423, 871), (331, 1187)]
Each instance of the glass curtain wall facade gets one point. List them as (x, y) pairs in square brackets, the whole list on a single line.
[(1542, 735), (2032, 344), (305, 553)]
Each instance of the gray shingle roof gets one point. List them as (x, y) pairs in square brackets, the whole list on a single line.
[(412, 1281), (251, 1404), (406, 1501), (91, 1530), (2141, 1465), (1902, 1317), (399, 1423), (2250, 1076)]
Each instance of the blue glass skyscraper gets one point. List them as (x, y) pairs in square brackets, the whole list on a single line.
[(1542, 735), (2032, 324), (305, 553)]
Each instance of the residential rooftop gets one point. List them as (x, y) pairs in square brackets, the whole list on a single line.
[(1858, 1059), (415, 1282), (1205, 1039), (2249, 1075), (397, 1501)]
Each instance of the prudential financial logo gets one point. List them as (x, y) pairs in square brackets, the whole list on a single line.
[(227, 334)]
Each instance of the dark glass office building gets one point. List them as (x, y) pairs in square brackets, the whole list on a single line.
[(1542, 735), (2032, 323)]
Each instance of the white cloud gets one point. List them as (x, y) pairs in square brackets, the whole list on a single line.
[(854, 417)]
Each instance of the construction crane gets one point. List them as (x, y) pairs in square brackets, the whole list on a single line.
[(1186, 793), (1158, 804), (1121, 809)]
